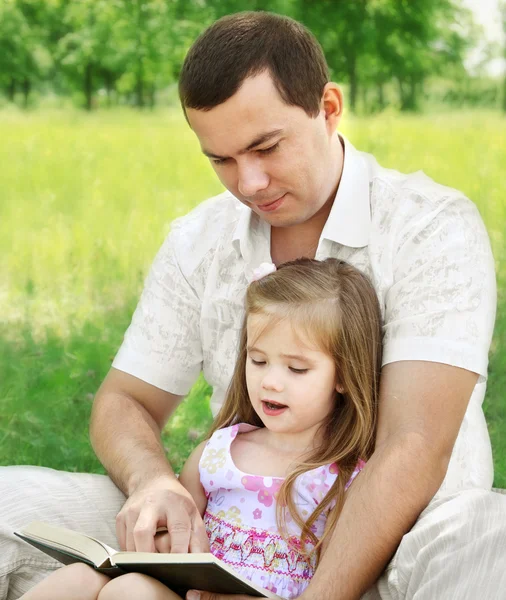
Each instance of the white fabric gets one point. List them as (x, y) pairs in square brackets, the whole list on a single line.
[(426, 250), (456, 550), (423, 245), (78, 501)]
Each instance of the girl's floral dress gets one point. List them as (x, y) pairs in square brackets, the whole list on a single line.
[(240, 518)]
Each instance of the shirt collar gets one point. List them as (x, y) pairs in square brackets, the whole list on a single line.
[(252, 237), (349, 221), (240, 237)]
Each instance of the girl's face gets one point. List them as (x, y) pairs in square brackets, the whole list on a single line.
[(291, 382)]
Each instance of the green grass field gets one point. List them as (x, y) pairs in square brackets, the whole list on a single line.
[(86, 202)]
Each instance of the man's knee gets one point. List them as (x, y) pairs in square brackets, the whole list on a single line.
[(79, 501), (451, 535), (465, 516), (18, 577), (21, 565)]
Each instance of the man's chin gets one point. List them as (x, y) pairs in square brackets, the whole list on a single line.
[(281, 220)]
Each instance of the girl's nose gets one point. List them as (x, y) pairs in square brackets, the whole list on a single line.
[(272, 381)]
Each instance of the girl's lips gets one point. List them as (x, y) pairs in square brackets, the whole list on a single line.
[(268, 408)]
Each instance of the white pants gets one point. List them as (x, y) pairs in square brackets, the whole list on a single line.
[(455, 551)]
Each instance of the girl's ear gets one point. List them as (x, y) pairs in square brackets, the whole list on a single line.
[(340, 388)]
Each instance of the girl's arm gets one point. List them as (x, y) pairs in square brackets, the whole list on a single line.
[(190, 478)]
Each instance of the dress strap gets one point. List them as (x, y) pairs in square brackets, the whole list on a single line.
[(216, 467)]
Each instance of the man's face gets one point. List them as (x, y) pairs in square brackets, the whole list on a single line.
[(273, 157)]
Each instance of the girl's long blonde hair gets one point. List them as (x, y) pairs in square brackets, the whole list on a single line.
[(336, 307)]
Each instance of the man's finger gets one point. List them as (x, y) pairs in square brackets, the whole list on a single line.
[(130, 520), (199, 542), (162, 542), (121, 531), (144, 530), (180, 531)]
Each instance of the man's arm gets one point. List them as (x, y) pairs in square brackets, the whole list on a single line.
[(127, 419), (421, 408)]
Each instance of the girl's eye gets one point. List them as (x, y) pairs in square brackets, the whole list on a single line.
[(258, 363), (299, 371)]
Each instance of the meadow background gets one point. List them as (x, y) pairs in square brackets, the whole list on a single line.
[(87, 196)]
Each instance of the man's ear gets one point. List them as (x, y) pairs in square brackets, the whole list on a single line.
[(332, 105)]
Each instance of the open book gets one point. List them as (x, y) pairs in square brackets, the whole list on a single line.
[(180, 572)]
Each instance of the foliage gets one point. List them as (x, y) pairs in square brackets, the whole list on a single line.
[(129, 49), (24, 56), (502, 7), (87, 200)]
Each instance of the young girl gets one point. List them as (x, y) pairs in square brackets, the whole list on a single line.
[(294, 431)]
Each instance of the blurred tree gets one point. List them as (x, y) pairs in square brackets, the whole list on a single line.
[(190, 18), (86, 52), (132, 48), (12, 45), (343, 29), (220, 8), (371, 42), (144, 33), (502, 8), (24, 57), (415, 40)]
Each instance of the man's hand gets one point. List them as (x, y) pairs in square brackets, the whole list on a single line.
[(127, 420), (162, 502)]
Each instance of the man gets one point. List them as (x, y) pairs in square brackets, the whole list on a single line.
[(256, 92)]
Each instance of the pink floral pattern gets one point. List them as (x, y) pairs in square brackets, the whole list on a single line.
[(266, 492), (247, 538)]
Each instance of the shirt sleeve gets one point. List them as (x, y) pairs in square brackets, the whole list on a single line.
[(162, 345), (442, 302)]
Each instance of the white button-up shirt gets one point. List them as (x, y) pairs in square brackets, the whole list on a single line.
[(423, 245)]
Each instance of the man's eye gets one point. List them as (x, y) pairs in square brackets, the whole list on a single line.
[(299, 371), (270, 149)]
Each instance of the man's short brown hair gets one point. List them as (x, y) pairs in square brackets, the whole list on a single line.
[(246, 44)]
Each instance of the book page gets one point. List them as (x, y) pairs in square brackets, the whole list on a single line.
[(69, 541)]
